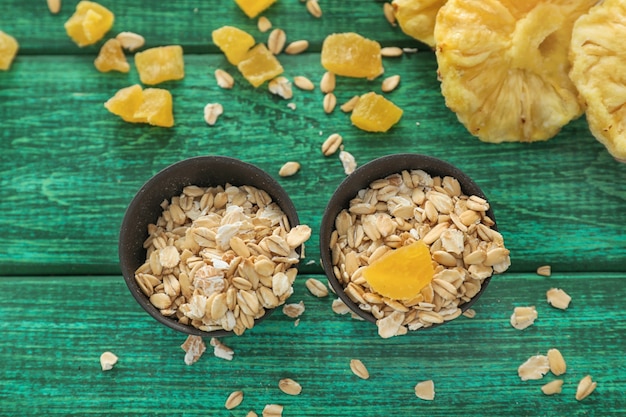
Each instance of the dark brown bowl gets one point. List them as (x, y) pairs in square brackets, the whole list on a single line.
[(204, 171), (360, 179)]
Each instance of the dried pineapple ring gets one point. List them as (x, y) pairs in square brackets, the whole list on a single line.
[(504, 66), (417, 18), (598, 55)]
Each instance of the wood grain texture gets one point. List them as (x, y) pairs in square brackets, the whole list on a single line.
[(190, 23), (69, 168), (54, 330)]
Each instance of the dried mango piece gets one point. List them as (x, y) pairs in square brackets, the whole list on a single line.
[(111, 57), (598, 56), (504, 66), (351, 55), (163, 63), (126, 102), (374, 113), (417, 18), (233, 42), (252, 8), (156, 108), (89, 23), (8, 50), (401, 274), (259, 65)]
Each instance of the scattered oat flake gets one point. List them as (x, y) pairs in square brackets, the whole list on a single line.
[(316, 287), (359, 369), (211, 112), (552, 387), (264, 24), (425, 390), (234, 399), (224, 79), (273, 410), (544, 270), (534, 368), (194, 347), (557, 362), (130, 41), (523, 317), (339, 307), (293, 310), (291, 105), (289, 386), (314, 8), (585, 387), (221, 351), (289, 168), (470, 313), (54, 6), (348, 162), (558, 298), (281, 87), (107, 360)]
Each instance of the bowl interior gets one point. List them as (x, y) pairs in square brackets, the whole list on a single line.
[(360, 179), (203, 171)]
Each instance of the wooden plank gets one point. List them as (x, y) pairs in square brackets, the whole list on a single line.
[(69, 168), (190, 24), (54, 330)]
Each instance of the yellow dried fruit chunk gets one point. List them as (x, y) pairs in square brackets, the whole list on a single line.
[(417, 18), (351, 55), (111, 57), (8, 50), (504, 66), (374, 113), (598, 55), (126, 102), (233, 42), (89, 23), (156, 108), (163, 63), (259, 65), (252, 8), (402, 273)]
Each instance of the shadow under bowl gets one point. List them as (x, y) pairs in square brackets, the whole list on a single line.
[(145, 208), (360, 179)]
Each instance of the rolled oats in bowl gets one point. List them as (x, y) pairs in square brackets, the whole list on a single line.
[(210, 246), (410, 242)]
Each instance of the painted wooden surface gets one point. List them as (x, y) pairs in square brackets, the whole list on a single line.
[(68, 169), (54, 330)]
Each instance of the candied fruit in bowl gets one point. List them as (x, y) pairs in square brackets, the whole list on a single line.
[(401, 274), (233, 42), (89, 23), (8, 50), (374, 113), (252, 8), (260, 65), (111, 57), (159, 64), (351, 55)]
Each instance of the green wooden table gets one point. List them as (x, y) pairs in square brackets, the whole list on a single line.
[(69, 169)]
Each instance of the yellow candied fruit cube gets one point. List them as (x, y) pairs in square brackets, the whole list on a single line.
[(374, 113), (125, 103), (8, 50), (351, 55), (111, 57), (89, 23), (233, 42), (252, 8), (163, 63), (260, 65), (401, 274), (156, 108)]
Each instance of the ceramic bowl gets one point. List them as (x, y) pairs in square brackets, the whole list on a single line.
[(360, 179), (144, 209)]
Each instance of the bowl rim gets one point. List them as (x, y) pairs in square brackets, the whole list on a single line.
[(150, 190), (361, 178)]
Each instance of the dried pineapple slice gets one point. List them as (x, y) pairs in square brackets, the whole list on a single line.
[(417, 18), (89, 23), (598, 56), (504, 66), (111, 57)]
